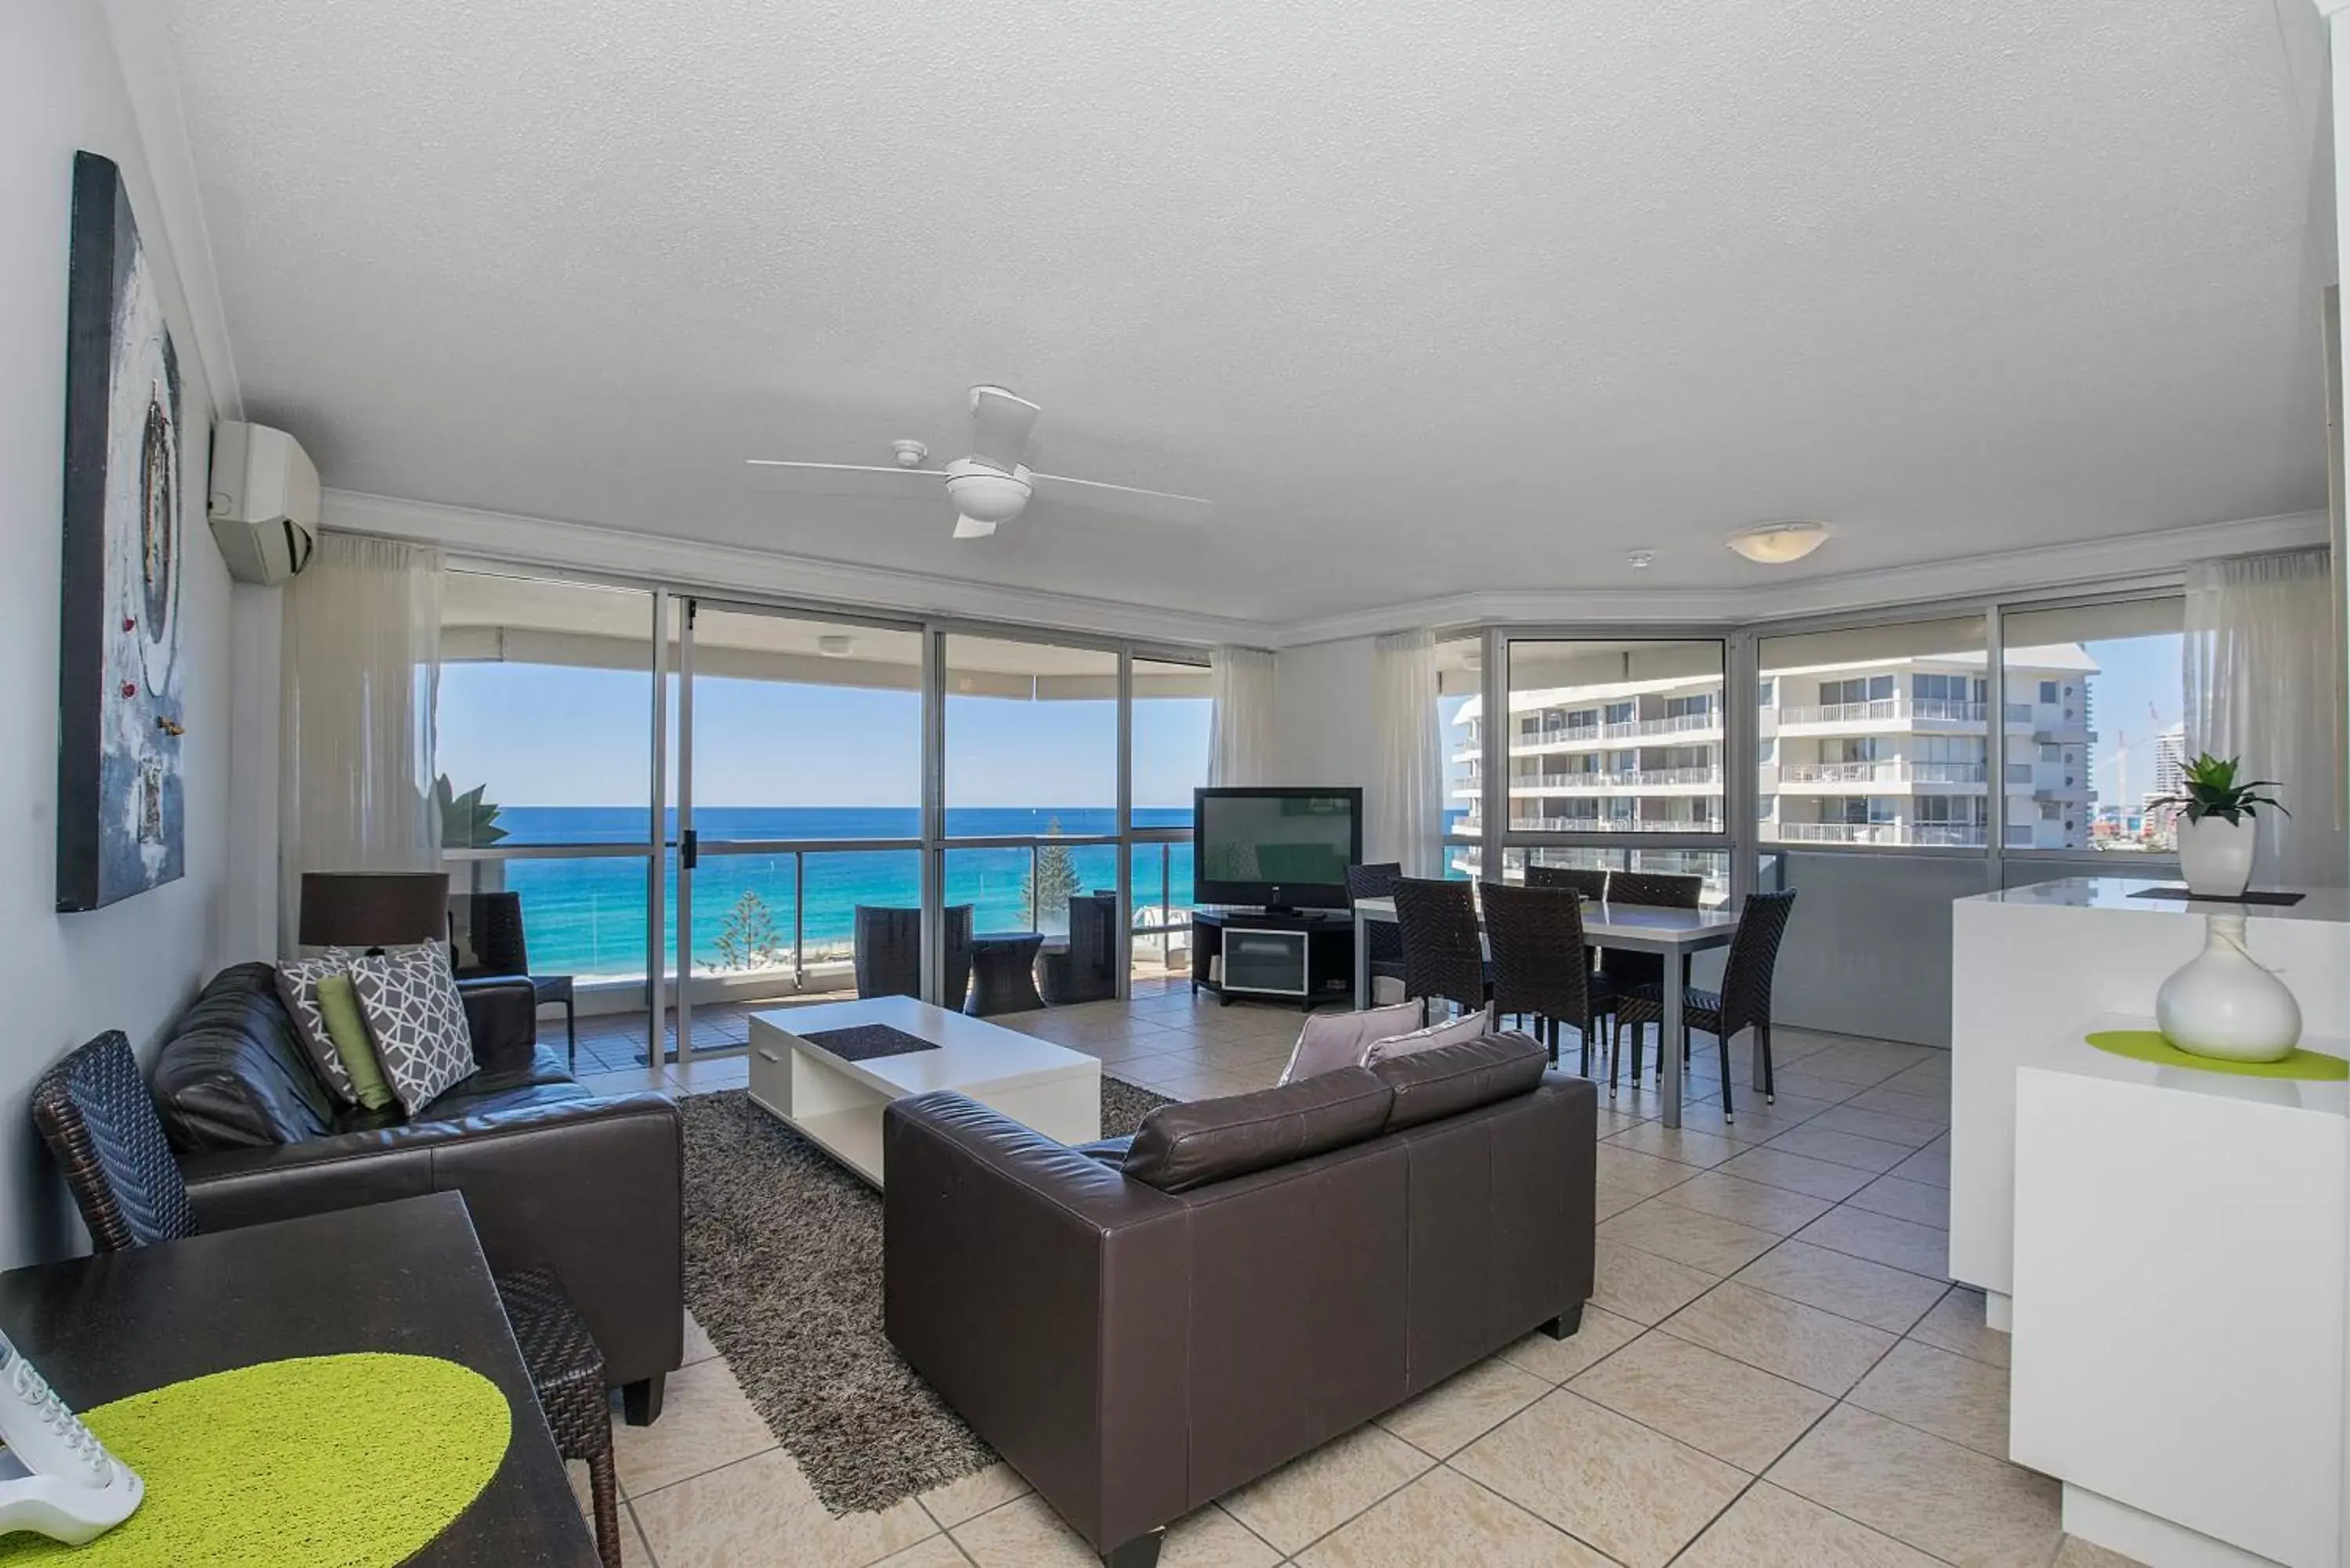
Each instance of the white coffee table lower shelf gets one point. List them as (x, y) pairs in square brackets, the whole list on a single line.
[(837, 1103)]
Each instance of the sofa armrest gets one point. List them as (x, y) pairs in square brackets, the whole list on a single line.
[(593, 1189), (1046, 1298), (502, 1013)]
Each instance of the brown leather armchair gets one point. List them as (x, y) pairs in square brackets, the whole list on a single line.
[(555, 1176), (1140, 1326)]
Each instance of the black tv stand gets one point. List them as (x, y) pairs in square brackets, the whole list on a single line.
[(1301, 956)]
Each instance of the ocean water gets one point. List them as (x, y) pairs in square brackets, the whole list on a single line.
[(586, 916)]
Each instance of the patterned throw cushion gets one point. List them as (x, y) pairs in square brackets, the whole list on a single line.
[(1333, 1040), (1452, 1031), (418, 1019), (298, 986)]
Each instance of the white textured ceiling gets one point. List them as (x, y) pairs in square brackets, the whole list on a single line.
[(1432, 297)]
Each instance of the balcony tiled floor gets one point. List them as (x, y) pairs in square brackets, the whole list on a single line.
[(1771, 1374)]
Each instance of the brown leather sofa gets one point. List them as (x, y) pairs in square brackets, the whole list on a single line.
[(555, 1176), (1140, 1326)]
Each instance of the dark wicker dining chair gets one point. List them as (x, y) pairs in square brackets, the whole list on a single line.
[(1443, 956), (1743, 1002), (94, 1111), (1540, 965), (889, 952), (494, 922), (1591, 881), (1656, 890), (1386, 936)]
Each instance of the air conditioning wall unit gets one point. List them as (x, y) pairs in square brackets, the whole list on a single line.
[(262, 501)]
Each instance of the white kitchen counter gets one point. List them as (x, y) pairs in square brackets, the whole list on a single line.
[(2031, 964)]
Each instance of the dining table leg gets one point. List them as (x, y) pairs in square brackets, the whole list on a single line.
[(1669, 1049), (1362, 961)]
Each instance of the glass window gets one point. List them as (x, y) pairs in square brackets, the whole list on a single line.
[(1879, 729), (2104, 730), (1171, 741), (1648, 760), (1460, 707)]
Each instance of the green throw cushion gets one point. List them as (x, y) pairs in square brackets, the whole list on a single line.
[(346, 1027)]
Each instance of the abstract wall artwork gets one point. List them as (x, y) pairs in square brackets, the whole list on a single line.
[(122, 812)]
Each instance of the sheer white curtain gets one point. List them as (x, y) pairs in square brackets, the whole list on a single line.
[(361, 672), (2260, 666), (1240, 721), (1407, 811)]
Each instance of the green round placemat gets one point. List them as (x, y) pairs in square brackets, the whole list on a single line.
[(324, 1461), (2146, 1045)]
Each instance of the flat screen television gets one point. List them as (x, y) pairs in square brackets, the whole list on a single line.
[(1284, 848)]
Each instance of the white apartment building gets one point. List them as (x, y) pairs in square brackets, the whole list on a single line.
[(1892, 751)]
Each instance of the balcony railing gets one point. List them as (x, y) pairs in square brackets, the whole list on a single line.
[(1884, 709), (1635, 778), (1622, 729), (1893, 772), (1613, 824), (1932, 833)]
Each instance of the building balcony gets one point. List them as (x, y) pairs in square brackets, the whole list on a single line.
[(1884, 713), (1851, 778), (1613, 824), (1936, 835), (1617, 782), (1691, 727)]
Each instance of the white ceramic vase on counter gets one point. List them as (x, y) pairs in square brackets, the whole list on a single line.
[(2226, 1003), (2216, 855)]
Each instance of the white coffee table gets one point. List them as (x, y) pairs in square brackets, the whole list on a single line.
[(837, 1103)]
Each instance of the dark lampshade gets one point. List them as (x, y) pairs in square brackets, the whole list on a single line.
[(374, 908)]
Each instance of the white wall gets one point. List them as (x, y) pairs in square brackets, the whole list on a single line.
[(1322, 700), (133, 966)]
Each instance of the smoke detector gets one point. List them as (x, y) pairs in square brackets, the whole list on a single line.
[(835, 645), (1777, 543), (1641, 559), (909, 452)]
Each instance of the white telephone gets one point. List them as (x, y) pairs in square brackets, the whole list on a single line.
[(56, 1478)]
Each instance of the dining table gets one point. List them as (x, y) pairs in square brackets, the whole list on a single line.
[(1627, 927)]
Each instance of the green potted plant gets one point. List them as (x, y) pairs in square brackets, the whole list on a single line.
[(2217, 835)]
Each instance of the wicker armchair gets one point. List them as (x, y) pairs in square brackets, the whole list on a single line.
[(493, 921), (94, 1112), (1443, 954), (890, 952), (1589, 882), (1540, 965), (1085, 968), (1658, 890), (1743, 1002), (1386, 936)]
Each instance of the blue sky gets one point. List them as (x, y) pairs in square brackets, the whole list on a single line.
[(554, 736)]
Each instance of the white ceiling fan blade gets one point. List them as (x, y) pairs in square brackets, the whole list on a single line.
[(1151, 505), (1000, 424), (851, 480), (973, 528)]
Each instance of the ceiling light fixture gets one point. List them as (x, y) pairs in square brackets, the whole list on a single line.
[(834, 645), (1777, 544)]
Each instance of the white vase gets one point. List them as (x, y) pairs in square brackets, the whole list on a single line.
[(2227, 1003), (2216, 855)]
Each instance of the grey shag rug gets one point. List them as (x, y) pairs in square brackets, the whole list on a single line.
[(783, 1271)]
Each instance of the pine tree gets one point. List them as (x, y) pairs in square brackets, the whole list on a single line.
[(748, 939), (1052, 881)]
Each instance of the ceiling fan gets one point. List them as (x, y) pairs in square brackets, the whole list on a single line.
[(991, 486)]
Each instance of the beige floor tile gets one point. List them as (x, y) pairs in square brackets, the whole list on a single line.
[(1751, 1203), (1726, 1408), (1444, 1516), (1797, 1173), (1941, 1392), (698, 1345), (2078, 1553), (1647, 1174), (973, 1495), (1465, 1406), (1928, 1165), (1909, 1132), (761, 1513), (1768, 1527), (634, 1552), (1797, 1080), (705, 1422), (1905, 1199), (627, 1081), (1686, 1236), (1815, 1142), (1609, 1199), (1882, 1239), (1309, 1497), (1556, 1360), (1684, 1143), (1847, 1287), (1803, 1343), (1642, 1286), (938, 1551), (1963, 1507), (1027, 1533), (1636, 1495), (1914, 1102), (1957, 1324)]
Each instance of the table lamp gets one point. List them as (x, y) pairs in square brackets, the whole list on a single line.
[(373, 909)]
